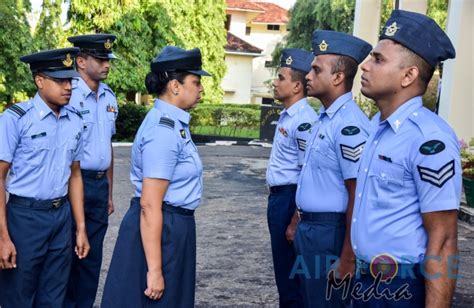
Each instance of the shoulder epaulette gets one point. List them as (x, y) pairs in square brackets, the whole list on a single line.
[(17, 110), (167, 122), (74, 110), (106, 87)]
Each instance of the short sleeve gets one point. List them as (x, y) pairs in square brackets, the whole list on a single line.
[(303, 132), (114, 125), (437, 173), (9, 135), (79, 152), (350, 141), (160, 148)]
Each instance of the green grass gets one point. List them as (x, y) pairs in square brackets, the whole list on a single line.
[(225, 131)]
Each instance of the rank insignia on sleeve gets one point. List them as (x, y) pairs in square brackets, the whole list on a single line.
[(432, 147), (301, 144), (304, 127), (17, 110), (350, 130), (167, 122), (183, 133), (352, 153), (437, 177)]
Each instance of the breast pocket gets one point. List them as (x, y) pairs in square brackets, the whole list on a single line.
[(71, 148), (189, 161), (35, 150), (388, 179), (319, 153)]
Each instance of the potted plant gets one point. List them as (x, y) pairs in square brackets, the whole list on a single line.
[(467, 163)]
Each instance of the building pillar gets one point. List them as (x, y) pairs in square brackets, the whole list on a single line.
[(457, 93), (366, 26), (418, 6)]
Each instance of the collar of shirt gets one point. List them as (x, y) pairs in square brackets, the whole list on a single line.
[(396, 119), (336, 105), (84, 88), (173, 111), (296, 106), (43, 109)]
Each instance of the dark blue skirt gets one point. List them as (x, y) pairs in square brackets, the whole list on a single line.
[(126, 279)]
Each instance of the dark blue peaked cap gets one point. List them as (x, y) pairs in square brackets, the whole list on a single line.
[(339, 43), (172, 58), (97, 45), (56, 63), (297, 59), (420, 34)]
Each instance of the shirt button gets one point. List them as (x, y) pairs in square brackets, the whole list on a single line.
[(375, 142), (102, 157), (354, 220), (100, 122), (355, 247), (360, 195), (365, 169), (304, 164)]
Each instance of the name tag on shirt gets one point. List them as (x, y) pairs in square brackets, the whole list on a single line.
[(42, 134)]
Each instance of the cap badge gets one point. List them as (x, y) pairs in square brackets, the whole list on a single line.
[(108, 44), (392, 29), (289, 60), (323, 46), (68, 61)]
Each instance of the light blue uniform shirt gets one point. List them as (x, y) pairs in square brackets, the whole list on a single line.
[(333, 156), (410, 166), (40, 147), (163, 149), (99, 112), (289, 144)]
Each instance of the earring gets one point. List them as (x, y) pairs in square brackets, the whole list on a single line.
[(175, 93)]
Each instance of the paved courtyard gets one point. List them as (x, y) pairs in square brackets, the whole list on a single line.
[(234, 267)]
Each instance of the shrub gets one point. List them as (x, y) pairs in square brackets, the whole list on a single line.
[(226, 115), (129, 119)]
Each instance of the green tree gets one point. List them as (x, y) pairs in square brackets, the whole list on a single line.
[(143, 27), (309, 15), (15, 41), (438, 10), (49, 32)]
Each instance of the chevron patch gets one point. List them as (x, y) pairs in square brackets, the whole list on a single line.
[(301, 144), (437, 177), (352, 153), (167, 122)]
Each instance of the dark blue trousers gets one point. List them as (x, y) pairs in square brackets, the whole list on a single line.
[(41, 234), (281, 207), (318, 243), (414, 294), (84, 277), (126, 279)]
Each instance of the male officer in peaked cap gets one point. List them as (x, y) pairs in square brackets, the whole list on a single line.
[(292, 131), (326, 185), (40, 147), (98, 106), (404, 225)]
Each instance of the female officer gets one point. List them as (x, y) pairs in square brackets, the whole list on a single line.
[(154, 262)]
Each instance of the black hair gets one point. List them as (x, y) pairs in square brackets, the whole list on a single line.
[(297, 75), (425, 70), (155, 82), (348, 67)]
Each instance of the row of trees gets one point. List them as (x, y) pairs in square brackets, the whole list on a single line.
[(142, 27), (338, 15)]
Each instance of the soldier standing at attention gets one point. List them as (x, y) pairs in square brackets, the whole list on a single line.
[(98, 106), (326, 186), (293, 129), (41, 145), (409, 181)]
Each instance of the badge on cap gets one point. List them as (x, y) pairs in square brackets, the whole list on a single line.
[(323, 46), (68, 61), (289, 60), (392, 29), (108, 44)]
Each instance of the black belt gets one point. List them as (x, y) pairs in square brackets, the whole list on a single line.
[(31, 202), (323, 216), (92, 174), (283, 188), (403, 270), (173, 209)]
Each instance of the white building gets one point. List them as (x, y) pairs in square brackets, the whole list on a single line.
[(253, 24)]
